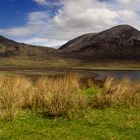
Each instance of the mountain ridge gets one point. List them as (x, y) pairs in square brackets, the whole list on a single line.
[(119, 42), (10, 48)]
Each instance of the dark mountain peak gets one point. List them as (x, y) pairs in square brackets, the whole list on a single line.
[(122, 41), (124, 27), (120, 31), (77, 41)]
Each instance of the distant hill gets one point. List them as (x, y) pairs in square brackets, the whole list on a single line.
[(10, 48), (120, 42)]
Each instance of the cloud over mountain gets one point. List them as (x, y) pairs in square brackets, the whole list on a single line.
[(63, 20)]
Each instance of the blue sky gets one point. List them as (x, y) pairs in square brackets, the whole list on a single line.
[(14, 12), (53, 22)]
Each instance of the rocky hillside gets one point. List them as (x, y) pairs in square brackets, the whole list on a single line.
[(120, 42), (9, 48)]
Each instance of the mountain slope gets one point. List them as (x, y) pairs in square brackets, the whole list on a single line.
[(120, 42), (9, 48)]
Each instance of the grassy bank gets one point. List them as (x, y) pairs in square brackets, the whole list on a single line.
[(57, 108), (29, 62)]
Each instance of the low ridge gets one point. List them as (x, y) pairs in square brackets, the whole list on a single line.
[(10, 48)]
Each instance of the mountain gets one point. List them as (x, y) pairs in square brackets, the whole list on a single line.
[(120, 42), (10, 48)]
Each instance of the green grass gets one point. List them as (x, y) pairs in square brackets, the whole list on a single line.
[(97, 124), (89, 92), (106, 124), (70, 63)]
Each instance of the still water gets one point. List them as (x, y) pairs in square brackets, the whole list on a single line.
[(134, 75), (87, 73)]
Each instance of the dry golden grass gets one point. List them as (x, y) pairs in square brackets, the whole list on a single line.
[(52, 96), (12, 90), (118, 92), (60, 95)]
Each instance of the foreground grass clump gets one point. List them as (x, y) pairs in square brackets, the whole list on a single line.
[(51, 96), (12, 90), (123, 92), (60, 96)]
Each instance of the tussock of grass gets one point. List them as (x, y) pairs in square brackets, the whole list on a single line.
[(122, 92), (61, 96), (53, 97), (12, 90)]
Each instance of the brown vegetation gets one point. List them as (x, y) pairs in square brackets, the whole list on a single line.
[(61, 96), (54, 97), (122, 92)]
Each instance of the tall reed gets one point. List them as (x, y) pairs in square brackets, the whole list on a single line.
[(11, 94), (119, 92), (52, 96), (61, 94)]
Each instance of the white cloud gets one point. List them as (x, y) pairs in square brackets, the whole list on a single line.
[(48, 3), (90, 17), (125, 1), (127, 4), (38, 17), (42, 2), (75, 17), (128, 1), (127, 15), (44, 42), (81, 14), (37, 21)]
